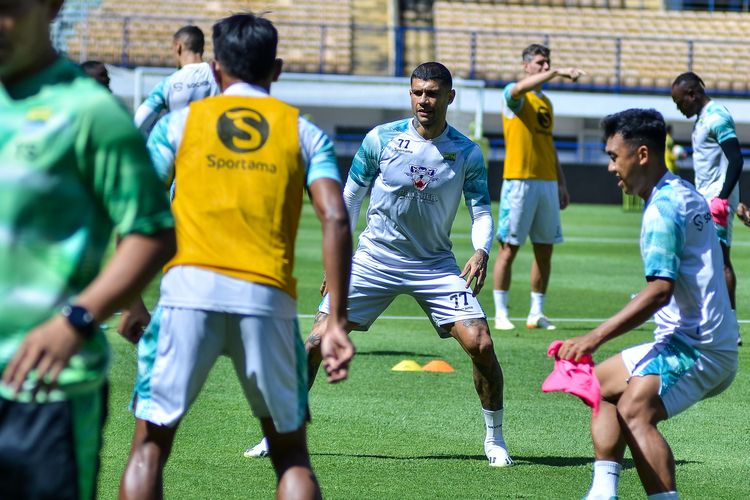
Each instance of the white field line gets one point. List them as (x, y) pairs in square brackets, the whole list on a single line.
[(554, 320), (600, 240)]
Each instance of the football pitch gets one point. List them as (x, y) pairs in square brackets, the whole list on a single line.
[(406, 435)]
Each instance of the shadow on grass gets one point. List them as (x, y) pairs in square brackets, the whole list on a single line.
[(517, 460), (394, 353)]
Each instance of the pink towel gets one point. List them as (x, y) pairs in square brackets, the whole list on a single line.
[(719, 211), (573, 377)]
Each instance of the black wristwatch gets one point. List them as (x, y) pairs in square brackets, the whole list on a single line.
[(80, 319)]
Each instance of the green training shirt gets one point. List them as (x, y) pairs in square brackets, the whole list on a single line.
[(72, 168)]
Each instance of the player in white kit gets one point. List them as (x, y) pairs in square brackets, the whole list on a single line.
[(717, 161), (418, 169), (194, 80), (694, 352)]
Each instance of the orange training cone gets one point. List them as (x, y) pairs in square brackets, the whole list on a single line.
[(407, 365), (438, 365)]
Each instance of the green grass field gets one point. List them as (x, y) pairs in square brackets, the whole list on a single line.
[(396, 435)]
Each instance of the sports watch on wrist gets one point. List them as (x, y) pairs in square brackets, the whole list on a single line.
[(80, 319)]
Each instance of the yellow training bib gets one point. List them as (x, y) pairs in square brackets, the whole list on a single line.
[(529, 150), (239, 181)]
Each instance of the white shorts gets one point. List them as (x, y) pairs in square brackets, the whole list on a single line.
[(441, 293), (529, 208), (687, 374), (180, 346)]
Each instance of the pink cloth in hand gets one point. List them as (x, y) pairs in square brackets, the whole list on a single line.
[(719, 211), (573, 377)]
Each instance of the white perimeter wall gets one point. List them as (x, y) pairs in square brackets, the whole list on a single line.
[(353, 101)]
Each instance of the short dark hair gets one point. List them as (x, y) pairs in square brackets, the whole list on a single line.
[(433, 71), (245, 46), (535, 49), (691, 81), (192, 37), (637, 127), (91, 64)]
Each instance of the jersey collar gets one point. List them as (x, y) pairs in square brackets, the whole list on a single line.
[(245, 89), (413, 131)]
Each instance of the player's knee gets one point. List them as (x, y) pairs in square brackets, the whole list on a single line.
[(479, 344), (148, 456), (634, 414), (507, 254)]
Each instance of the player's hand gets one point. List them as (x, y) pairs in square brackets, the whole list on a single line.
[(577, 347), (562, 193), (572, 73), (476, 269), (743, 212), (720, 211), (47, 348), (337, 351), (134, 321), (324, 286)]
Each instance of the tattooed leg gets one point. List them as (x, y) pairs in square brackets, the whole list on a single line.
[(474, 337), (312, 346)]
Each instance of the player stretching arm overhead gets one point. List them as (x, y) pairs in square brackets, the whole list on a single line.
[(534, 189)]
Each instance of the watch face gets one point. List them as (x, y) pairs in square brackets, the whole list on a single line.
[(80, 319)]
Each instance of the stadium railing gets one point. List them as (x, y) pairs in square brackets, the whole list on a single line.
[(617, 63)]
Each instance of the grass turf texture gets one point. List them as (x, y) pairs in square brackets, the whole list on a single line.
[(385, 434)]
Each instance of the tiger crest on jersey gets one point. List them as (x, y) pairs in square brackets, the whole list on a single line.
[(421, 176)]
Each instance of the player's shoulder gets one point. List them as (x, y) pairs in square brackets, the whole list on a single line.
[(461, 141), (95, 103), (674, 196), (717, 114), (394, 127), (383, 133)]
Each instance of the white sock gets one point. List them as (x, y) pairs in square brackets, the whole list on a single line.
[(605, 479), (537, 304), (501, 302), (494, 423), (667, 495)]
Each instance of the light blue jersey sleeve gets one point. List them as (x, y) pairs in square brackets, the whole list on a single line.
[(663, 237), (721, 125), (366, 163), (164, 142), (476, 192), (317, 153), (512, 104), (155, 103), (477, 197)]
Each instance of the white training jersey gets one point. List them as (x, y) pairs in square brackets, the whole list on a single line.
[(713, 126), (417, 185), (192, 82), (678, 242)]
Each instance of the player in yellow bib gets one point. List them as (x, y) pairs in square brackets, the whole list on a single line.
[(534, 189)]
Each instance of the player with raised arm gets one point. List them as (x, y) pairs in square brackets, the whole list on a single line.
[(241, 162), (694, 353), (193, 80), (418, 169), (534, 189), (717, 161), (74, 170)]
